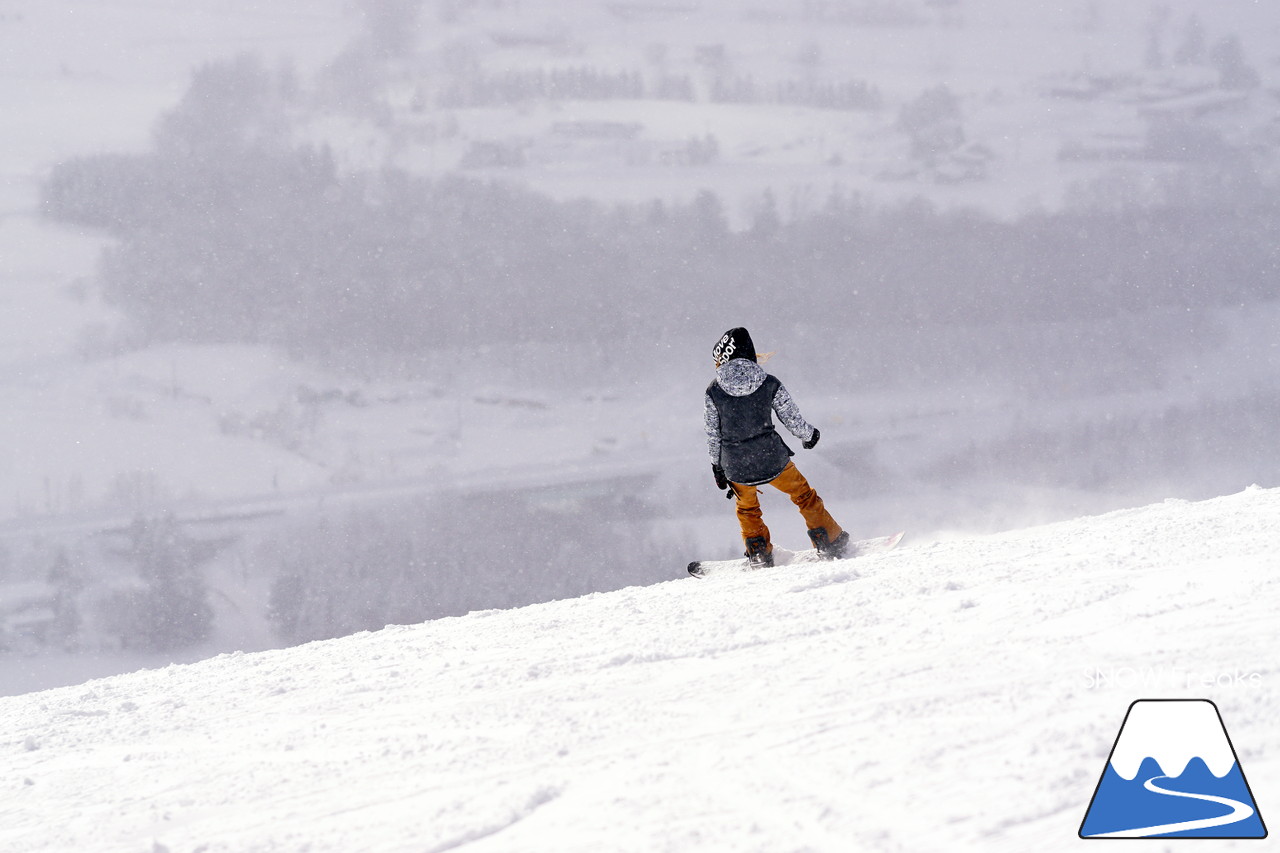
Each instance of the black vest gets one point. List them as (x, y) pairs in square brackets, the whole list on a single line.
[(751, 451)]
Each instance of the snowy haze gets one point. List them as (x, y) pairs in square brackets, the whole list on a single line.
[(316, 317), (959, 695)]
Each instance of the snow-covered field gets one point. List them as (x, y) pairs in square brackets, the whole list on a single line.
[(93, 431), (952, 695)]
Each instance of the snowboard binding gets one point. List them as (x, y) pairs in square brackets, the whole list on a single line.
[(829, 549), (759, 555)]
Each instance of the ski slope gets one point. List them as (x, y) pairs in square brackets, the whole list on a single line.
[(951, 695)]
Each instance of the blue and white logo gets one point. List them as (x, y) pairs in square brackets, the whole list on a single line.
[(1173, 773)]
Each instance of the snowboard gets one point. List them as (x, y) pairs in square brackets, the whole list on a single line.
[(785, 557)]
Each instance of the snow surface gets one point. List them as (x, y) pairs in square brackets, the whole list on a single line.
[(952, 695)]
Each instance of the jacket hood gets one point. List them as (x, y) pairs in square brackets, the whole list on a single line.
[(740, 377), (735, 343)]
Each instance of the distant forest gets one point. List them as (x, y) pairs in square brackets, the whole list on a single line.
[(227, 232)]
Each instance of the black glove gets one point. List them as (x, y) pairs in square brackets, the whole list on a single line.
[(808, 445), (722, 482)]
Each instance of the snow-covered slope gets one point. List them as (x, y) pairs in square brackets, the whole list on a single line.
[(955, 695)]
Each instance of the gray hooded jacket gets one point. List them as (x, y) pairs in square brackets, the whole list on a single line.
[(738, 416)]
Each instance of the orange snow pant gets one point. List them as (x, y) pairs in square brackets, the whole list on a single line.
[(793, 483)]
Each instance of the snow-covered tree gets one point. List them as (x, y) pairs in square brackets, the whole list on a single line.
[(1227, 56), (67, 582), (1191, 50), (173, 609), (933, 123)]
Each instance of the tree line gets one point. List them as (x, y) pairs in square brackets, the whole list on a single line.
[(479, 89), (405, 562), (226, 231)]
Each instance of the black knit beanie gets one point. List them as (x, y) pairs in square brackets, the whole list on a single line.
[(735, 343)]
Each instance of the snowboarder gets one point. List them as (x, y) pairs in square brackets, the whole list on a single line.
[(747, 452)]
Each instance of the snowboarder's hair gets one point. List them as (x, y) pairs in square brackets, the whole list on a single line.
[(735, 343)]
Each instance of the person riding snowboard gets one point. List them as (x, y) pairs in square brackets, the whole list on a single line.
[(747, 452)]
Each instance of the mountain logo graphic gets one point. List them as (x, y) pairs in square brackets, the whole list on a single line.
[(1173, 773)]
